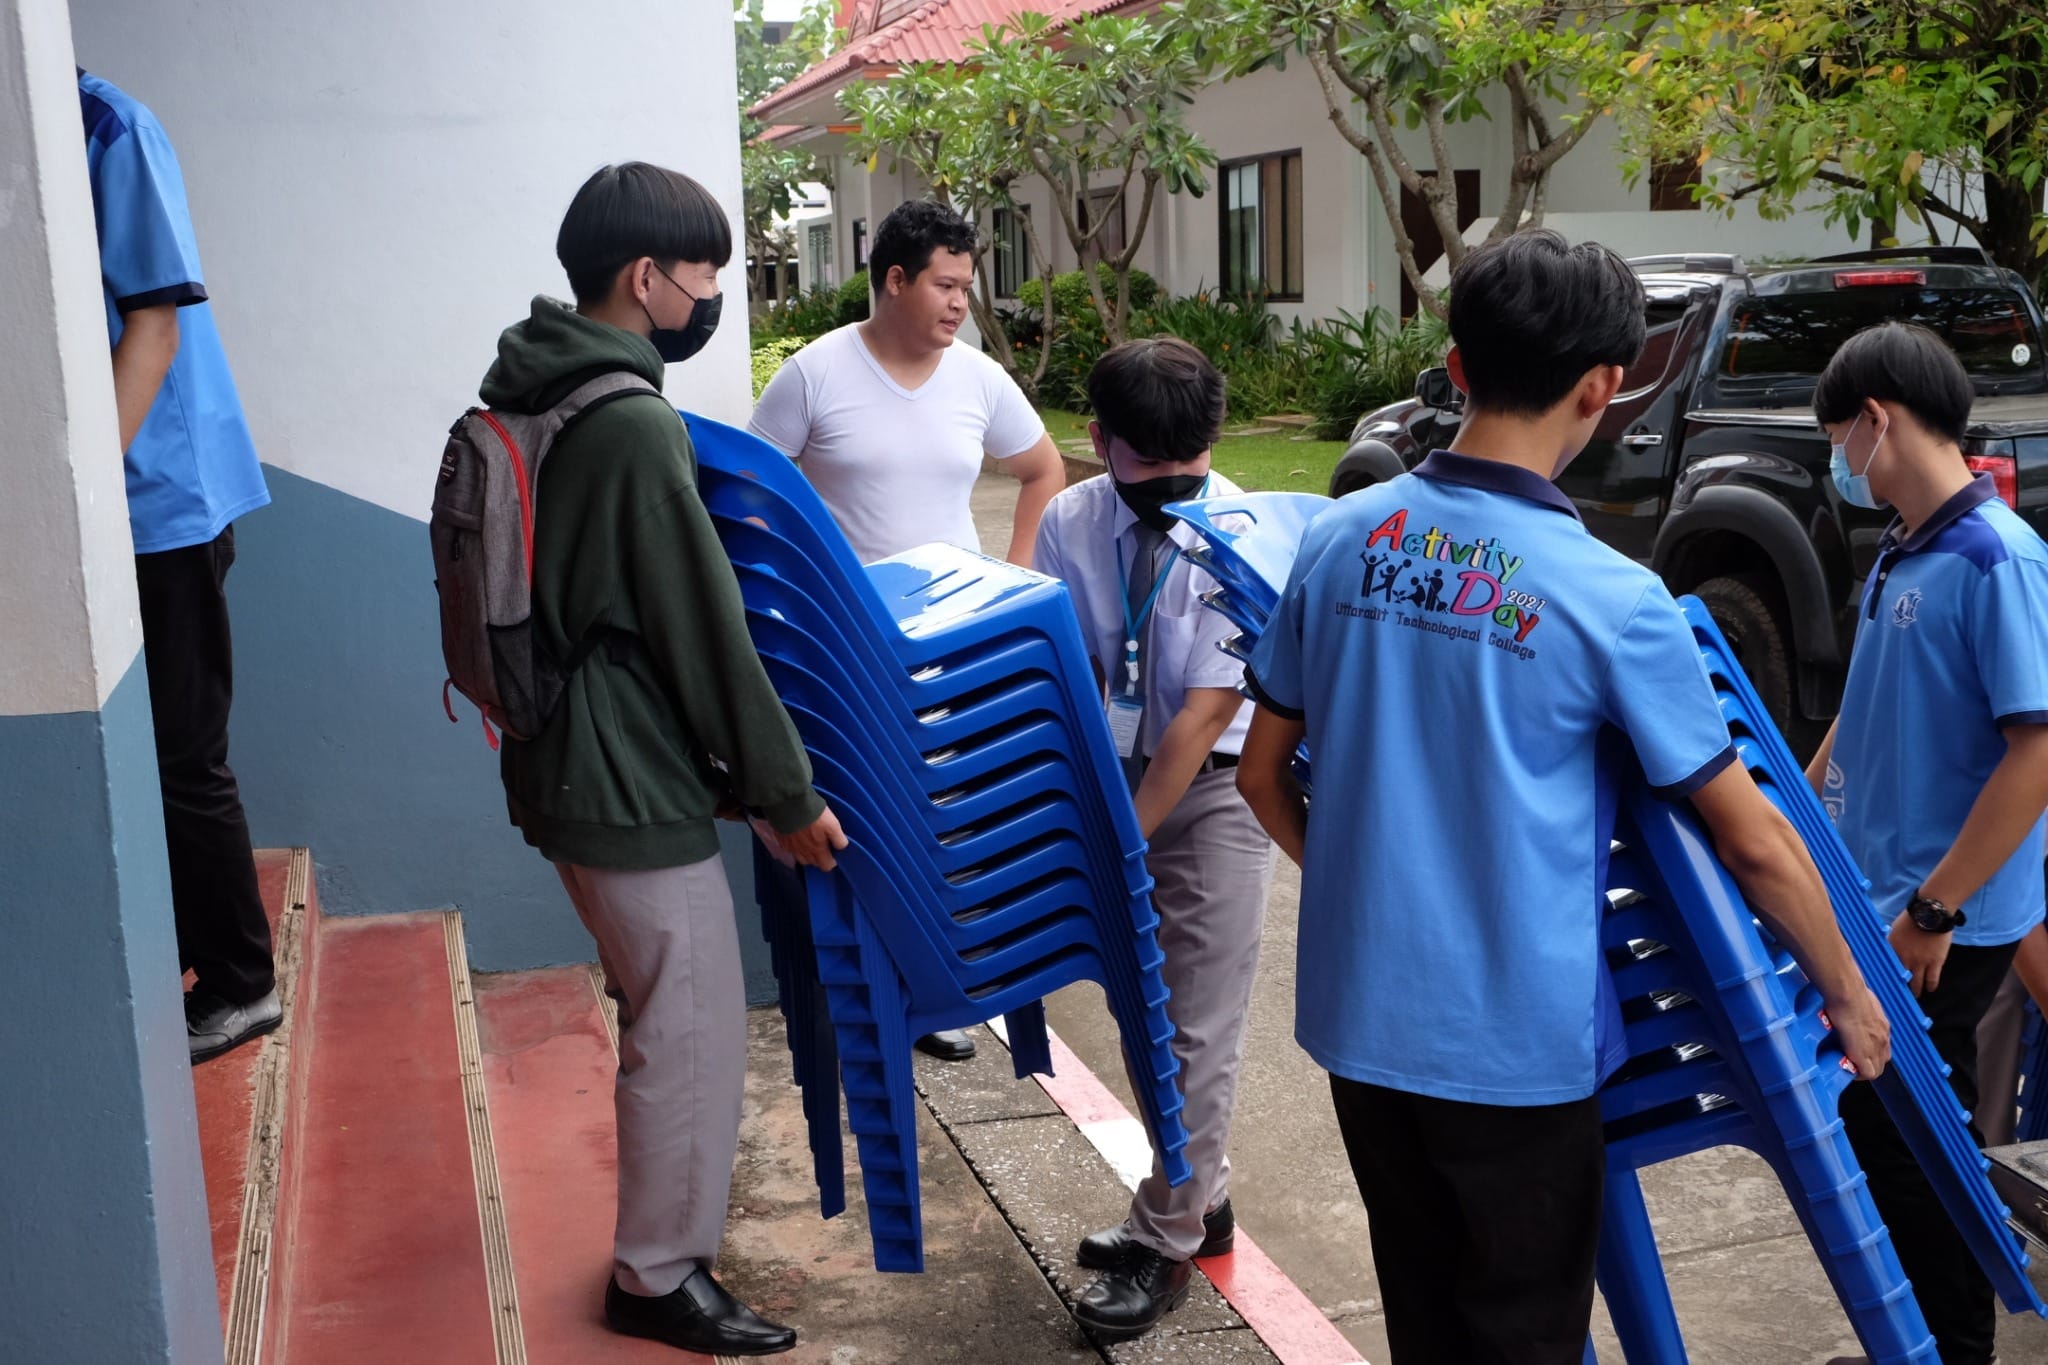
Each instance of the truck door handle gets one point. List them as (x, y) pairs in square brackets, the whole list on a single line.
[(1643, 438)]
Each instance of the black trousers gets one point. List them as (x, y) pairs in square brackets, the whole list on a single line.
[(1485, 1222), (223, 935), (1953, 1293)]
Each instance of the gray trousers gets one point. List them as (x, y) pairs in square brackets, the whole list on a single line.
[(1998, 1063), (671, 954), (1210, 863)]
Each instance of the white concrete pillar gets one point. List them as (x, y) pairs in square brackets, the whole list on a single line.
[(108, 1256)]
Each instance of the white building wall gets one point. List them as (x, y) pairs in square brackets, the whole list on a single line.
[(376, 189)]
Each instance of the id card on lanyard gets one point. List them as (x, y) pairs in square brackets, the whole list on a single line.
[(1127, 704)]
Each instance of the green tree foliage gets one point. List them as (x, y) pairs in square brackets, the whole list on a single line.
[(1100, 101), (1093, 104), (770, 174), (1923, 111), (934, 119), (1392, 69)]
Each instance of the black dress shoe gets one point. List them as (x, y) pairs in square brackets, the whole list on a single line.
[(699, 1316), (949, 1045), (1129, 1300), (1105, 1250)]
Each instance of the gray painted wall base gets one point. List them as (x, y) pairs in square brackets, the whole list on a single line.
[(108, 1256), (341, 744)]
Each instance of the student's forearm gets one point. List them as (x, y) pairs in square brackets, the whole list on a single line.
[(1032, 499), (2002, 815), (1041, 474), (142, 357), (1764, 854), (1265, 779), (1817, 770), (1187, 743), (1788, 896), (1281, 810)]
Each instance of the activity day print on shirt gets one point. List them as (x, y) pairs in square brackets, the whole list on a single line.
[(1419, 576)]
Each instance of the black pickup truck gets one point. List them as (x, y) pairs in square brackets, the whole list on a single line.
[(1710, 468)]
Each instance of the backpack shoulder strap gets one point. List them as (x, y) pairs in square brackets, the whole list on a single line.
[(592, 394)]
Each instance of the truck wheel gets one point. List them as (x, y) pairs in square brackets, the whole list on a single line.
[(1351, 474), (1744, 608)]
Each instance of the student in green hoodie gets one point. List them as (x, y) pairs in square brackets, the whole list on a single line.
[(667, 724)]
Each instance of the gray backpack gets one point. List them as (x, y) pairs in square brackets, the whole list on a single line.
[(482, 533)]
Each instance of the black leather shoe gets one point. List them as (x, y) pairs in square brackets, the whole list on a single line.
[(1129, 1300), (1105, 1250), (950, 1045), (700, 1316)]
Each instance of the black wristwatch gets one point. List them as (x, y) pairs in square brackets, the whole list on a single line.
[(1934, 917)]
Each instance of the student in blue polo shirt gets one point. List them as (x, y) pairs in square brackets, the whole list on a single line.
[(1936, 770), (191, 471), (1457, 650)]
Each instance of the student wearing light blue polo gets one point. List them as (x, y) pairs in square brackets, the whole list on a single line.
[(191, 470), (1468, 665), (1936, 770)]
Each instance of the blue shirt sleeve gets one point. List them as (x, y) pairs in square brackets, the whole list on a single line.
[(147, 253), (1274, 676), (2009, 640), (1658, 693)]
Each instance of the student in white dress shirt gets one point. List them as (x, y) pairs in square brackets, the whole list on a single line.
[(889, 419), (1177, 713)]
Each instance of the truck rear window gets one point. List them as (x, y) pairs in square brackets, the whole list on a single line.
[(1781, 335)]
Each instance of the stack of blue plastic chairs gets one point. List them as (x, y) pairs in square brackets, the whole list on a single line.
[(954, 724), (1725, 1040), (1914, 1088)]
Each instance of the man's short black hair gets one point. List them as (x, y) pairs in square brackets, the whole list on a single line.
[(1897, 362), (911, 233), (1531, 314), (1161, 395), (632, 210)]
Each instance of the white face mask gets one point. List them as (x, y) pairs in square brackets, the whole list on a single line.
[(1855, 488)]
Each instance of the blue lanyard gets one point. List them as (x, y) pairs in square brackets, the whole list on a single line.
[(1132, 625)]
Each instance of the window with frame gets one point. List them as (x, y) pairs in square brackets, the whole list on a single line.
[(1672, 184), (1012, 250), (1261, 226), (1107, 208), (860, 244), (818, 245)]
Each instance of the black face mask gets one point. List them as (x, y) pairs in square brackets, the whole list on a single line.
[(677, 344), (1147, 498)]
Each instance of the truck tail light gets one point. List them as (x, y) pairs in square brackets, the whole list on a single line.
[(2004, 471), (1851, 279)]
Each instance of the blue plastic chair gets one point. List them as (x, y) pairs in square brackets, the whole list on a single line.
[(954, 723), (1726, 1047), (1914, 1087)]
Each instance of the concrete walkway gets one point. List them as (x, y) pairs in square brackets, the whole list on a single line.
[(1008, 1185)]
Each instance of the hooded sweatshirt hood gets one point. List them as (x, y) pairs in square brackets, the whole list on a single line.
[(543, 358)]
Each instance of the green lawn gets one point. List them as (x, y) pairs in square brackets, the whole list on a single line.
[(1276, 461)]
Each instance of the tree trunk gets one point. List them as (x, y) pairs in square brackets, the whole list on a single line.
[(2010, 213)]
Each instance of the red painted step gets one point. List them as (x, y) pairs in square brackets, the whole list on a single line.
[(224, 1090), (548, 1070), (242, 1165), (389, 1259)]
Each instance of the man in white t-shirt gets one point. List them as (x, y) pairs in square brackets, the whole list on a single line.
[(889, 419)]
